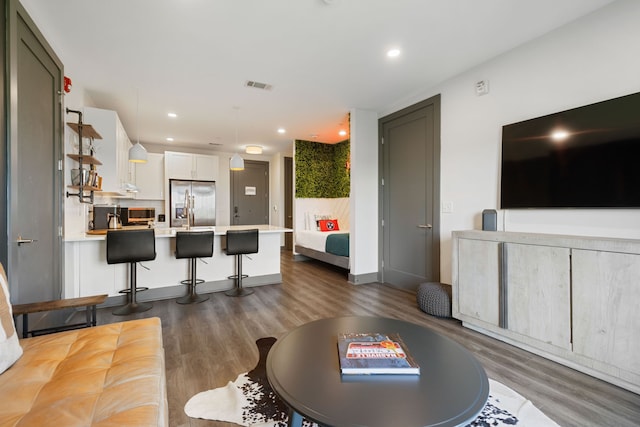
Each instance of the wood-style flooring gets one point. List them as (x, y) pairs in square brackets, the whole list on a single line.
[(209, 344)]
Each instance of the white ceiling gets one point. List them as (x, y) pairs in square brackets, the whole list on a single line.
[(322, 57)]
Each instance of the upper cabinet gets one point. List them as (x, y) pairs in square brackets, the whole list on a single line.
[(191, 166), (150, 178), (112, 150)]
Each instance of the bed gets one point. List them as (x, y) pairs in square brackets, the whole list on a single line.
[(328, 246), (332, 244)]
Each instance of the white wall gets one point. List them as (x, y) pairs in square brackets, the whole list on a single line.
[(363, 239), (590, 60)]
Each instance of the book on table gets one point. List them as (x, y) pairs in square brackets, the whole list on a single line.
[(375, 353)]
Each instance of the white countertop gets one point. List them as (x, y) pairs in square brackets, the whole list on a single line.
[(163, 232)]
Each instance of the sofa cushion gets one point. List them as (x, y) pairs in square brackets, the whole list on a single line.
[(107, 375), (10, 349)]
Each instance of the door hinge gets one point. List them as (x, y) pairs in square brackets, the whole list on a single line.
[(382, 182), (382, 140), (60, 164), (60, 234), (382, 223)]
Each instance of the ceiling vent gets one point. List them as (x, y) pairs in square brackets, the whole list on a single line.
[(258, 85)]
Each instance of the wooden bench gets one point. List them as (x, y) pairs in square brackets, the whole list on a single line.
[(37, 307)]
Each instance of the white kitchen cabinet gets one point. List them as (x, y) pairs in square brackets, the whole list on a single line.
[(178, 165), (150, 178), (572, 299), (206, 167), (97, 277), (606, 318), (112, 149), (191, 166)]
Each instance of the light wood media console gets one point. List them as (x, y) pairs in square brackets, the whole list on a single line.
[(571, 299)]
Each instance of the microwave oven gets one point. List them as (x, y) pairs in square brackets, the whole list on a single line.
[(140, 216), (128, 216)]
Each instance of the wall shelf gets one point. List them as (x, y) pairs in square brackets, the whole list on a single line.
[(86, 159), (84, 131)]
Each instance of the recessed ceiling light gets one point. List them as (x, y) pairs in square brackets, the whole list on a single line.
[(172, 115), (282, 130), (342, 132), (170, 139), (393, 53)]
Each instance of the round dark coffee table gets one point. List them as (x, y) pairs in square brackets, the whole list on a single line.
[(303, 369)]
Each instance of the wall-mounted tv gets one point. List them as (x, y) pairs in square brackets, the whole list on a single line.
[(587, 157)]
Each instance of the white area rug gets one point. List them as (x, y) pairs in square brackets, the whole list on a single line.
[(249, 401)]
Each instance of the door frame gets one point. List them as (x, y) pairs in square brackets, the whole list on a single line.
[(288, 202), (232, 183), (4, 142), (16, 12), (435, 101)]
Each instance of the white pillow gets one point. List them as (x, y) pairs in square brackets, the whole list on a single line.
[(10, 349), (318, 217)]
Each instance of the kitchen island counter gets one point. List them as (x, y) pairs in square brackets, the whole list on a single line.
[(87, 271), (163, 232)]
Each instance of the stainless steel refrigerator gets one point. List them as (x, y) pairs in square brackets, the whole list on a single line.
[(192, 203)]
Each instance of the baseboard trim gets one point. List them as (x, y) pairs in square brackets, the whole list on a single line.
[(361, 279)]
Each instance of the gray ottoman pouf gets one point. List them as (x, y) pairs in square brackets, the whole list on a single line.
[(435, 298)]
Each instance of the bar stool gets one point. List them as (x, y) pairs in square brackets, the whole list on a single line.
[(131, 246), (241, 242), (193, 245)]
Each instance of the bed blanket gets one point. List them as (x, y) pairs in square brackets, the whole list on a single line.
[(338, 244)]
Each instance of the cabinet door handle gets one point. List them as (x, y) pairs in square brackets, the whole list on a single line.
[(429, 226)]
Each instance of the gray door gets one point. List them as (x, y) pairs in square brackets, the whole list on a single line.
[(410, 195), (250, 194), (35, 183)]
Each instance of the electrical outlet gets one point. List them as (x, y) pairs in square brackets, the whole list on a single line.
[(447, 207)]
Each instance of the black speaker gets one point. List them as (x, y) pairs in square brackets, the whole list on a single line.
[(489, 220)]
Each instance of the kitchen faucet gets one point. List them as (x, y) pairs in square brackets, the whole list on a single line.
[(189, 205)]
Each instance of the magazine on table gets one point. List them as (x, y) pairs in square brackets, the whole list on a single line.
[(375, 353)]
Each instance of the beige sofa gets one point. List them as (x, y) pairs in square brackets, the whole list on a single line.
[(109, 375)]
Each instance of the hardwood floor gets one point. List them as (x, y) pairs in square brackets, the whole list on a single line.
[(209, 344)]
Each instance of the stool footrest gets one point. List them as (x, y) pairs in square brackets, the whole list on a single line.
[(128, 291), (188, 281), (235, 276)]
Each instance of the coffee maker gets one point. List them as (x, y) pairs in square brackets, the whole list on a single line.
[(101, 214)]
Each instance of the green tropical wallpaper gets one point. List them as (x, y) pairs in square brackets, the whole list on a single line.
[(322, 170)]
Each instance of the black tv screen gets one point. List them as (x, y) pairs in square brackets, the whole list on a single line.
[(587, 157)]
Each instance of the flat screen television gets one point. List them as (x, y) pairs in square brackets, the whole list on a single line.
[(587, 157)]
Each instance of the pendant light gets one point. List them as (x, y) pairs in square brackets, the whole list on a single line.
[(236, 163), (137, 153)]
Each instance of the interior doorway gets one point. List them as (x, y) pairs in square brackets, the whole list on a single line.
[(411, 195), (35, 181), (250, 194), (35, 187)]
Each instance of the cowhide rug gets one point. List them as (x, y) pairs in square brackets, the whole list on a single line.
[(249, 401)]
